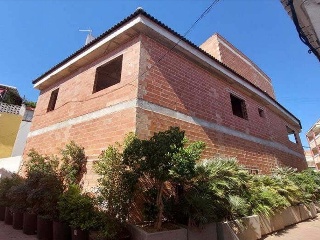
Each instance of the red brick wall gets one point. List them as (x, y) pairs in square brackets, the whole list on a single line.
[(75, 91), (178, 84), (76, 99), (219, 48)]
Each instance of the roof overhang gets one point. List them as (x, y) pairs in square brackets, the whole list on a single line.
[(306, 17), (142, 23)]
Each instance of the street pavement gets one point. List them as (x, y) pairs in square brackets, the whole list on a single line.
[(8, 233), (308, 230)]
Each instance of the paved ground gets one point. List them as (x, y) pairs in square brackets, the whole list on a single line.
[(8, 233), (309, 230)]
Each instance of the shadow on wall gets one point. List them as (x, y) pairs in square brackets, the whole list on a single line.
[(5, 173), (204, 96)]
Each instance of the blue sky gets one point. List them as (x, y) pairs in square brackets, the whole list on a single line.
[(36, 35)]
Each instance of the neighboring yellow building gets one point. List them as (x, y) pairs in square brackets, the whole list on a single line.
[(9, 127)]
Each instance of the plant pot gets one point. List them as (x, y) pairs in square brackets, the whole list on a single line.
[(17, 222), (78, 234), (139, 234), (44, 228), (8, 218), (29, 223), (2, 212), (61, 231), (208, 231)]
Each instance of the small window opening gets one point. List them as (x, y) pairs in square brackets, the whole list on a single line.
[(292, 135), (254, 171), (108, 74), (261, 113), (53, 100), (238, 107)]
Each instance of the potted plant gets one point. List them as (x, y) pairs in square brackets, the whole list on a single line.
[(43, 185), (77, 209), (18, 196), (5, 203), (44, 199), (71, 170)]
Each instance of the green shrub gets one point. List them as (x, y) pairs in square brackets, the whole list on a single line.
[(114, 190), (5, 185), (73, 163), (309, 182), (77, 209), (264, 196), (163, 158)]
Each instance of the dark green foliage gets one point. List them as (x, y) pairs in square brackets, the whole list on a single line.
[(109, 227), (226, 181), (116, 183), (30, 104), (309, 182), (265, 197), (73, 163), (18, 196), (12, 97), (43, 184), (164, 159), (5, 185), (77, 209), (44, 195)]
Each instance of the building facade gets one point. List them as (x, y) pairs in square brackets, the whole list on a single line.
[(141, 76), (313, 137)]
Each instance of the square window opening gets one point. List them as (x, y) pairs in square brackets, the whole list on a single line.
[(292, 135), (238, 107), (108, 74), (261, 113), (53, 100)]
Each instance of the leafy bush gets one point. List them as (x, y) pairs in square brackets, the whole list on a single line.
[(44, 194), (43, 184), (17, 196), (41, 164), (228, 183), (309, 182), (5, 185), (164, 159), (77, 209), (264, 196), (73, 163), (114, 192)]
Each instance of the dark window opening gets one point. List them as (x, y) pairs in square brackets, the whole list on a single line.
[(53, 100), (253, 171), (108, 74), (238, 107), (261, 113), (292, 135)]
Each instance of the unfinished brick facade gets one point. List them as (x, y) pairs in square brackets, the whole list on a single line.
[(185, 88)]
